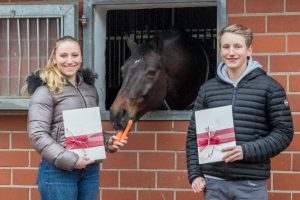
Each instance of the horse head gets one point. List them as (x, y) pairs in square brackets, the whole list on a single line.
[(170, 68), (144, 85)]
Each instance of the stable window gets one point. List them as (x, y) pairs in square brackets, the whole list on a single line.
[(105, 49), (27, 35)]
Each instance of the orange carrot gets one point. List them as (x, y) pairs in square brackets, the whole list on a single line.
[(126, 131), (119, 134)]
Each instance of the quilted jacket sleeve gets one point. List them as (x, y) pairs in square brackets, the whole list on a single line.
[(193, 167), (281, 128), (39, 126)]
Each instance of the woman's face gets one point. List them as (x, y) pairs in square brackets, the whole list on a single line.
[(68, 59), (234, 51)]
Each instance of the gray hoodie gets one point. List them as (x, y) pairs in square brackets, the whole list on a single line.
[(222, 71)]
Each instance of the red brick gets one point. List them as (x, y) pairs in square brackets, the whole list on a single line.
[(184, 195), (156, 160), (120, 160), (255, 23), (137, 179), (292, 5), (269, 43), (282, 162), (264, 6), (282, 23), (293, 43), (109, 178), (13, 123), (140, 141), (294, 83), (118, 194), (181, 125), (154, 125), (171, 141), (286, 181), (14, 193), (107, 126), (296, 196), (285, 63), (5, 175), (294, 146), (279, 196), (296, 162), (294, 100), (263, 60), (181, 161), (235, 6), (35, 159), (20, 141), (24, 177), (172, 180), (155, 195), (14, 159), (296, 123), (35, 195), (282, 79), (4, 141)]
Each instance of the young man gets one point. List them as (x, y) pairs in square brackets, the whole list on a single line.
[(262, 122)]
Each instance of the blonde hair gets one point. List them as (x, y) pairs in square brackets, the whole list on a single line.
[(240, 30), (50, 74)]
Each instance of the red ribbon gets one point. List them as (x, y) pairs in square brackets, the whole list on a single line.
[(215, 137), (84, 141)]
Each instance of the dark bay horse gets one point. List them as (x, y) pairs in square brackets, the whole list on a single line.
[(166, 71)]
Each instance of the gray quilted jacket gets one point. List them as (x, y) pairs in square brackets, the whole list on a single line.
[(45, 121)]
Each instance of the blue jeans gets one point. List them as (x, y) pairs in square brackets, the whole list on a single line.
[(58, 184)]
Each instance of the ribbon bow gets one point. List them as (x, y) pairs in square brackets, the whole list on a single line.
[(84, 141), (215, 137)]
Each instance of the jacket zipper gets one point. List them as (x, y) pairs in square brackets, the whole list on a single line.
[(234, 94), (82, 98)]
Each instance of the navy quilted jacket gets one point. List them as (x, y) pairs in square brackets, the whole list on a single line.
[(262, 121)]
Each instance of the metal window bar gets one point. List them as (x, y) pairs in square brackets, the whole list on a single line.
[(21, 55)]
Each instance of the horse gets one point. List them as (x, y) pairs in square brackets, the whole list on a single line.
[(166, 72)]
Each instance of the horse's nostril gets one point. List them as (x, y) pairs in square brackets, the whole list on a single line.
[(119, 118)]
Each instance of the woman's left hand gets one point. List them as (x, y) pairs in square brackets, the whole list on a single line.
[(115, 146), (233, 154)]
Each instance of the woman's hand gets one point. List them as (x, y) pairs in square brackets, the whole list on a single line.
[(114, 145), (198, 184), (82, 162), (233, 154)]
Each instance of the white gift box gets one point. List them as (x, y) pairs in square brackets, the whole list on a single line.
[(215, 131), (83, 132)]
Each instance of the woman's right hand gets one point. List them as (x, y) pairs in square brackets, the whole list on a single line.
[(82, 162), (198, 184)]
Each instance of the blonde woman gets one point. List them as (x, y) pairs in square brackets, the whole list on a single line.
[(63, 85)]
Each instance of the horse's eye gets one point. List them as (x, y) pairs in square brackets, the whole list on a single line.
[(151, 74)]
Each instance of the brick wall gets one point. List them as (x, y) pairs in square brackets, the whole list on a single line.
[(152, 166)]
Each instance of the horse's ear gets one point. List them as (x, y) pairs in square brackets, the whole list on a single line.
[(130, 42)]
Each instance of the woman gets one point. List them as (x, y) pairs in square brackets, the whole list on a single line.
[(262, 122), (63, 85)]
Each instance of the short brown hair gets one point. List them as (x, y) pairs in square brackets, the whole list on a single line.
[(240, 30)]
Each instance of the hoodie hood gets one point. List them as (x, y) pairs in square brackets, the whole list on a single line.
[(34, 80), (222, 71)]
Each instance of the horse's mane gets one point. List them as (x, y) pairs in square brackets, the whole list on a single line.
[(156, 43)]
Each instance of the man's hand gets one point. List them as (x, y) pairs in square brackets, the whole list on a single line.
[(233, 154), (198, 184)]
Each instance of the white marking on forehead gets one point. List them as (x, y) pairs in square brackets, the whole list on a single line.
[(138, 60)]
